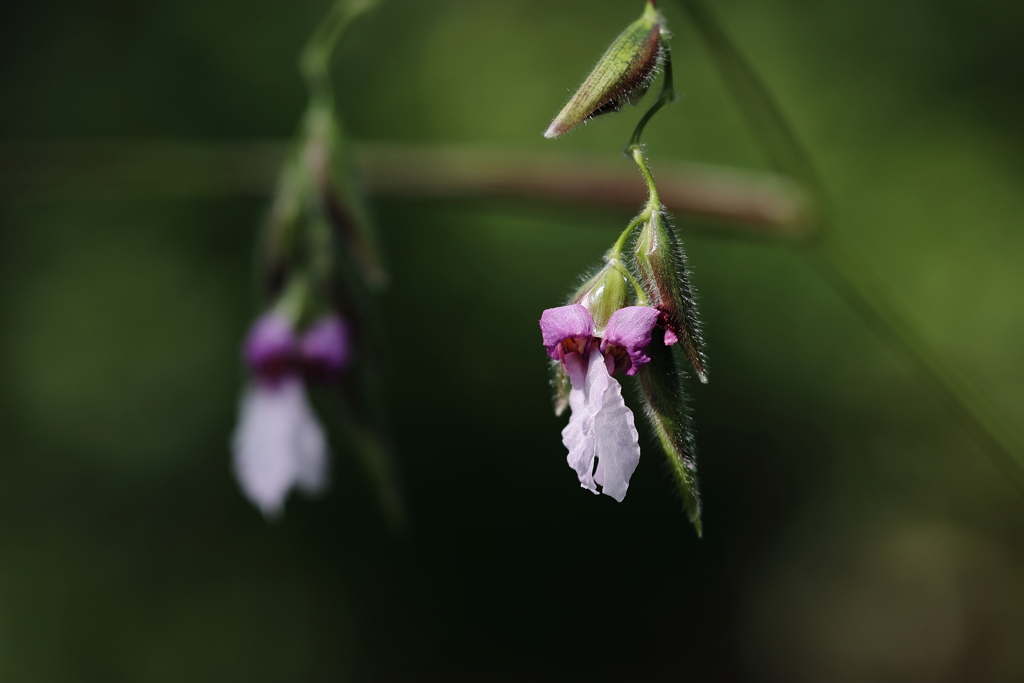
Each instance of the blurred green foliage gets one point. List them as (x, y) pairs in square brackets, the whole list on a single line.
[(852, 531)]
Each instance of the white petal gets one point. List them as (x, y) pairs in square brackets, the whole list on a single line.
[(575, 438), (278, 444), (600, 426), (618, 444)]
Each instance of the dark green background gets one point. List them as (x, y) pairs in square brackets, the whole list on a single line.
[(852, 531)]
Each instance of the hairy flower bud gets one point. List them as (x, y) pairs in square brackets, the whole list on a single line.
[(667, 412), (622, 74), (661, 264), (603, 294)]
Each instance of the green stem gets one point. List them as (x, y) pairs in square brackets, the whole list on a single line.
[(653, 202), (316, 56), (616, 251), (667, 94)]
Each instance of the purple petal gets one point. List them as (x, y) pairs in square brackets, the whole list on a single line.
[(324, 348), (564, 322), (270, 346), (630, 328), (278, 444)]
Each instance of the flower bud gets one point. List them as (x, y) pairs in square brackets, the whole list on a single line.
[(603, 294), (667, 412), (661, 264), (622, 74)]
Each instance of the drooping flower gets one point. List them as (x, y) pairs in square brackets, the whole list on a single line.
[(279, 443), (601, 427)]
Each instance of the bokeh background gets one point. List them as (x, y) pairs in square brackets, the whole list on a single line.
[(853, 532)]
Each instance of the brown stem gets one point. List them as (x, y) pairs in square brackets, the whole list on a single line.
[(750, 203)]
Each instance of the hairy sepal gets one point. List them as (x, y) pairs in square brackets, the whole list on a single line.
[(661, 264), (661, 384)]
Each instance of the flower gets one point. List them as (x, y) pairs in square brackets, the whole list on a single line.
[(279, 443), (601, 427)]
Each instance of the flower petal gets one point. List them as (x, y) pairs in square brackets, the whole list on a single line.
[(578, 434), (601, 426), (278, 444), (325, 348), (558, 324), (631, 328), (270, 346), (617, 442)]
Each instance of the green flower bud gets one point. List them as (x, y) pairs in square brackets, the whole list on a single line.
[(622, 74), (666, 409), (603, 294), (661, 264)]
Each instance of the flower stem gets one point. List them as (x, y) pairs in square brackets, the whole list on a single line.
[(653, 202), (667, 94), (316, 56)]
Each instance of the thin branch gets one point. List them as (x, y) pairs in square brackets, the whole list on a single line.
[(736, 202)]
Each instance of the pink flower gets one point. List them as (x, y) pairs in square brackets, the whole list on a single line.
[(279, 444), (601, 427)]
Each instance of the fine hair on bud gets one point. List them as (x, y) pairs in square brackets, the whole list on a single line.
[(667, 410), (659, 260)]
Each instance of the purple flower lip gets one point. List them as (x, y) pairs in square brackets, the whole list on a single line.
[(570, 329), (325, 350), (627, 335), (566, 329), (273, 350), (270, 347)]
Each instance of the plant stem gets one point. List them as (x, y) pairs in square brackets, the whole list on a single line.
[(637, 154), (727, 201), (316, 56), (667, 94)]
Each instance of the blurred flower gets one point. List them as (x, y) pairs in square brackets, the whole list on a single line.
[(279, 443), (325, 348), (270, 347), (601, 427)]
